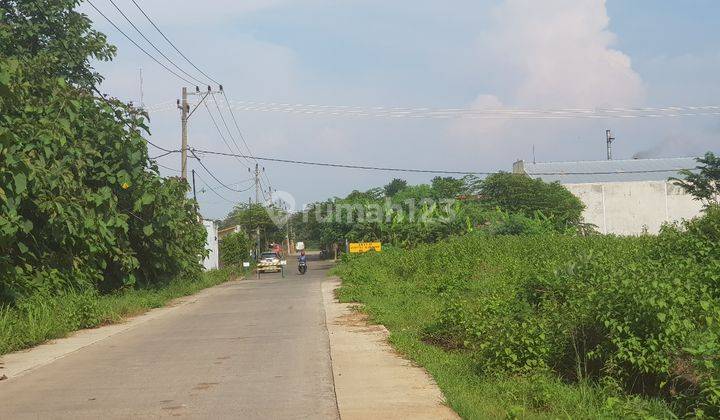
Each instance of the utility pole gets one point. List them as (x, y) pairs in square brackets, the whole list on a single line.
[(184, 106), (257, 201), (193, 183), (185, 109), (257, 184), (610, 139)]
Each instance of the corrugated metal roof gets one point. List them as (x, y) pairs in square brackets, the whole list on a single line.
[(583, 172)]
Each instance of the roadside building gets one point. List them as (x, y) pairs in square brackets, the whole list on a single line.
[(228, 230), (623, 197), (211, 262)]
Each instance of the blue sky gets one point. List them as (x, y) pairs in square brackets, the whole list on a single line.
[(462, 53)]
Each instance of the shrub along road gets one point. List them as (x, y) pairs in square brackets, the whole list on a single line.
[(254, 349)]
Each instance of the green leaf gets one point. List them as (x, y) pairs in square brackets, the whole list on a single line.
[(148, 230), (20, 183), (147, 198)]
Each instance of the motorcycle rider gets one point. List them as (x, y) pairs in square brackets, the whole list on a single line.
[(302, 259)]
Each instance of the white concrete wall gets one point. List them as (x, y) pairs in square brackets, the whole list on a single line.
[(630, 208), (211, 262)]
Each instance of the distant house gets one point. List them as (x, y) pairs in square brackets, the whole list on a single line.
[(228, 230), (624, 197), (211, 262)]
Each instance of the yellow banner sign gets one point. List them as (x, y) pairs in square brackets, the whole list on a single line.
[(360, 247)]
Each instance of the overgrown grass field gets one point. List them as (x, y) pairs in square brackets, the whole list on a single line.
[(556, 326), (40, 318)]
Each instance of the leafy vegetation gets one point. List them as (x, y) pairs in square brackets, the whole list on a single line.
[(83, 211), (235, 249), (411, 215), (704, 182), (634, 322)]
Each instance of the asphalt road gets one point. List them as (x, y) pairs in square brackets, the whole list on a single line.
[(255, 349)]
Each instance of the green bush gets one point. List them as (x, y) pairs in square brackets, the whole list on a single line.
[(639, 315), (235, 249), (81, 205)]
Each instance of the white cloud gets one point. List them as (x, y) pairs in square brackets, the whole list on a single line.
[(559, 53), (549, 54)]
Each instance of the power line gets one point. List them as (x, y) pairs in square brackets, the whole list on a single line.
[(171, 43), (427, 171), (475, 113), (495, 110), (337, 165), (155, 145), (164, 154), (213, 190), (217, 128), (168, 168), (216, 178), (153, 45), (222, 117), (242, 137), (237, 126), (136, 44)]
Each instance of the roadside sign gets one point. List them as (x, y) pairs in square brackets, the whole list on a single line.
[(246, 264), (360, 247)]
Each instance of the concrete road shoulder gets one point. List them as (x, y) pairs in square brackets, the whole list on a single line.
[(371, 380)]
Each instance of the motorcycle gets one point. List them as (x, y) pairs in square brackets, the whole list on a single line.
[(302, 267)]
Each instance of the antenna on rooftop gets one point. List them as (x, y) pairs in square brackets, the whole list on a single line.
[(610, 140), (534, 161)]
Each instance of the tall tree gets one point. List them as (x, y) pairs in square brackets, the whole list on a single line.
[(53, 39), (522, 194), (81, 205), (395, 186), (447, 187)]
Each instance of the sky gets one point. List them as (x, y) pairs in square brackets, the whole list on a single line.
[(551, 54)]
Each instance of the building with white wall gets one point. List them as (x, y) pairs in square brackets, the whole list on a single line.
[(623, 197), (212, 261)]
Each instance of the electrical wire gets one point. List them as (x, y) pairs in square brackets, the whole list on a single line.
[(337, 165), (242, 137), (192, 151), (213, 190), (237, 126), (153, 144), (153, 45), (426, 171), (471, 113), (165, 154), (168, 168), (219, 131), (136, 44), (172, 44), (222, 117), (495, 110)]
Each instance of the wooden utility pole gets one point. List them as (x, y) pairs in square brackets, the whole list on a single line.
[(257, 202), (257, 184), (185, 109), (185, 113)]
